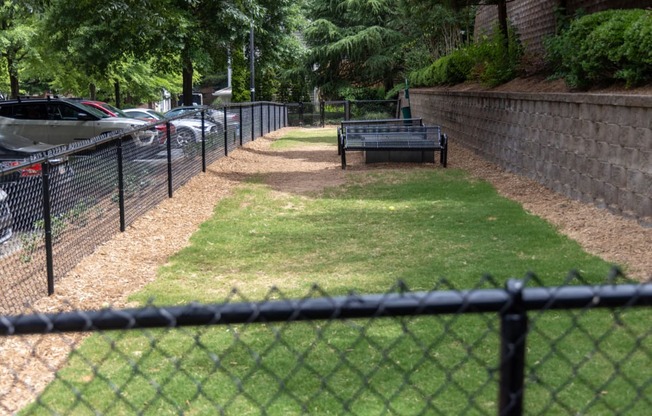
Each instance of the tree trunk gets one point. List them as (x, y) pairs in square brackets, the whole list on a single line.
[(93, 90), (15, 90), (502, 20), (187, 83), (13, 78), (116, 89)]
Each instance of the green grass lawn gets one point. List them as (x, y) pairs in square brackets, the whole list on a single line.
[(418, 226)]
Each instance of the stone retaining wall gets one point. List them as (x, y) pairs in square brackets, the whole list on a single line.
[(593, 148)]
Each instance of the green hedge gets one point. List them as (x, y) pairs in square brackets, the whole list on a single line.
[(604, 47), (487, 61)]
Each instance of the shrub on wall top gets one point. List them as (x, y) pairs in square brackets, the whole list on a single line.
[(604, 47), (491, 61)]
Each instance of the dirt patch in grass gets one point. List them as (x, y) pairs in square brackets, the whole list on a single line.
[(130, 260)]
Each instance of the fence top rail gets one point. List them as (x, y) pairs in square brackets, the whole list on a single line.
[(325, 308)]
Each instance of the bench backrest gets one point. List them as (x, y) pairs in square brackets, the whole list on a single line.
[(390, 129), (356, 134), (384, 121)]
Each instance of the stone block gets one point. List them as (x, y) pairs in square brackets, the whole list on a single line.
[(643, 139), (584, 183), (639, 182), (618, 176), (610, 194)]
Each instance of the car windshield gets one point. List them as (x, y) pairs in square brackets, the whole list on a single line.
[(116, 110), (184, 110), (93, 111), (156, 115)]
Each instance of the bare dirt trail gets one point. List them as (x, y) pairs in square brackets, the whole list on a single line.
[(129, 261)]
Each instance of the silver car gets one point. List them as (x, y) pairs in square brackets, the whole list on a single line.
[(59, 121), (188, 130)]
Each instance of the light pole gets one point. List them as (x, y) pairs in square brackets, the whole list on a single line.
[(252, 82)]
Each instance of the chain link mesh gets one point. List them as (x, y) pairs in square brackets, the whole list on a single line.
[(401, 352)]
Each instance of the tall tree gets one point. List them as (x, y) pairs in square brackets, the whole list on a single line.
[(354, 42), (439, 27), (278, 48), (98, 38), (209, 28), (175, 35), (17, 21)]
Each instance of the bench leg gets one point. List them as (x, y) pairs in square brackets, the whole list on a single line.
[(339, 142), (343, 158)]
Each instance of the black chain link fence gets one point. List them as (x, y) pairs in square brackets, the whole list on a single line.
[(57, 207), (522, 349), (333, 112)]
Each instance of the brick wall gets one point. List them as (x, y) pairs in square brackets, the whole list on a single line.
[(593, 148), (535, 19)]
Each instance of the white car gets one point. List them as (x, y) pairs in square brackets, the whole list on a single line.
[(187, 129), (59, 121)]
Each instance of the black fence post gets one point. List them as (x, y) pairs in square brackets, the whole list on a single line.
[(226, 133), (347, 110), (240, 123), (269, 117), (322, 114), (253, 122), (203, 144), (47, 226), (513, 333), (121, 184), (169, 155), (262, 120)]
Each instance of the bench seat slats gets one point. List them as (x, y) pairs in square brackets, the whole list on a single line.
[(391, 137)]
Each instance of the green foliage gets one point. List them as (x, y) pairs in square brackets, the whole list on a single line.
[(354, 42), (17, 23), (497, 60), (604, 47), (491, 61), (449, 69), (239, 77), (351, 93), (63, 47)]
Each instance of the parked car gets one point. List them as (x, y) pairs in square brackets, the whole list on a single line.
[(187, 129), (216, 116), (113, 111), (59, 121), (6, 220), (24, 187), (106, 108)]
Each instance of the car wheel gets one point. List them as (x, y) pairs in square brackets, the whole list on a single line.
[(184, 136)]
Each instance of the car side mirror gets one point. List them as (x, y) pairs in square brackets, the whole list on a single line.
[(85, 116)]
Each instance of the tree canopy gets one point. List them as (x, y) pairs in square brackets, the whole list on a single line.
[(141, 46)]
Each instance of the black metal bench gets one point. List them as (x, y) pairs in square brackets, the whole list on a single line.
[(341, 131), (395, 138)]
